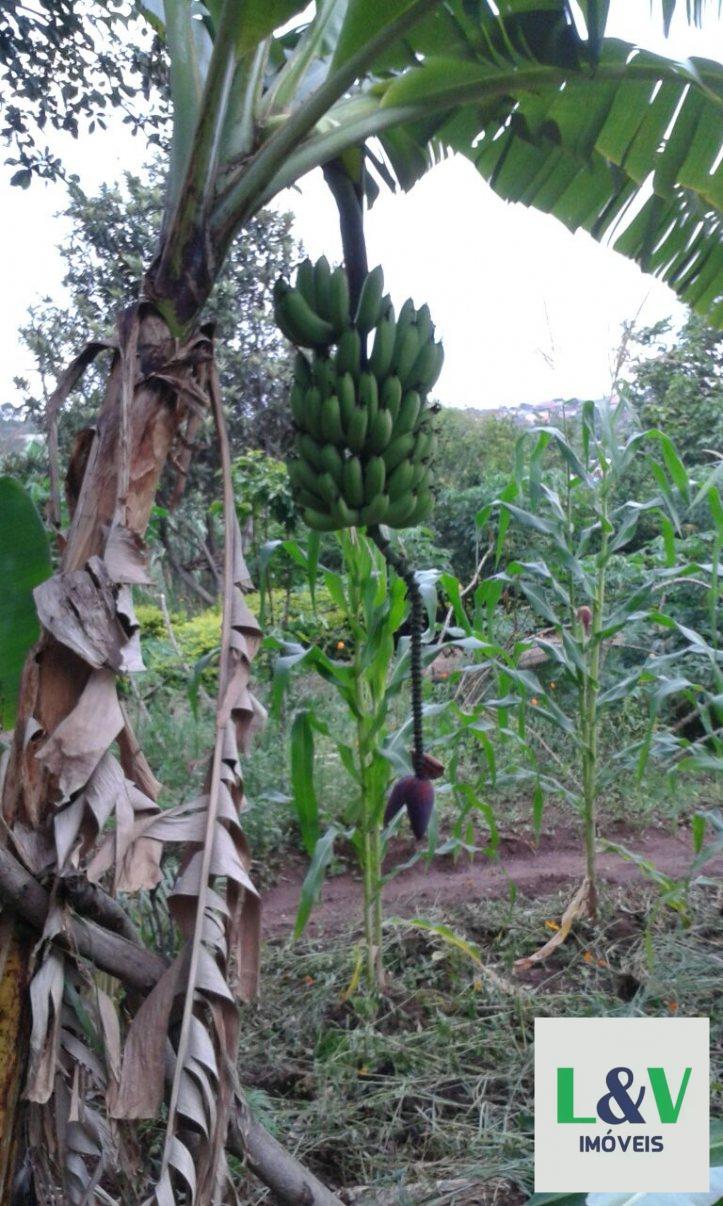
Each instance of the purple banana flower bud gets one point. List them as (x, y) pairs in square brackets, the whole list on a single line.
[(417, 795)]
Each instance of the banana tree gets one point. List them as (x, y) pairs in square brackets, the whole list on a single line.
[(605, 136)]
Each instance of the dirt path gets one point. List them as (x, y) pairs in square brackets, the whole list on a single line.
[(535, 872)]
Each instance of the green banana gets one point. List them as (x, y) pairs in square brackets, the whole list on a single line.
[(397, 451), (398, 511), (408, 412), (422, 508), (303, 476), (374, 476), (348, 354), (422, 444), (367, 311), (311, 452), (339, 300), (356, 429), (304, 498), (425, 326), (420, 474), (375, 512), (322, 371), (386, 309), (332, 462), (327, 487), (380, 360), (297, 402), (426, 367), (319, 521), (433, 375), (305, 282), (331, 420), (302, 370), (352, 483), (391, 395), (400, 480), (295, 315), (343, 515), (346, 394), (406, 353), (405, 319), (312, 411), (280, 290), (322, 288), (369, 394), (380, 431)]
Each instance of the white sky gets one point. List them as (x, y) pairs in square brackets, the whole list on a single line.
[(505, 284)]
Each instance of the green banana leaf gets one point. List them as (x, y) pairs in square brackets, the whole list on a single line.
[(24, 563), (551, 110)]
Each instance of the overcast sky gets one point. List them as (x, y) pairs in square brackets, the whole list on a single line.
[(527, 311)]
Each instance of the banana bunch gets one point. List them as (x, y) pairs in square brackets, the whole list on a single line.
[(364, 439)]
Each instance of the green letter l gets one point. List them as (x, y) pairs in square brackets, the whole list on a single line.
[(565, 1095)]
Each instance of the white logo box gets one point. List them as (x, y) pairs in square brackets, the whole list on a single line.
[(642, 1153)]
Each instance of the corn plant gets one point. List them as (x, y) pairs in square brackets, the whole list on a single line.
[(580, 528), (367, 680)]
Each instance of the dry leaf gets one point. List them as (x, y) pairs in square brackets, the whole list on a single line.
[(77, 745), (46, 995), (140, 1089), (125, 557), (80, 609), (577, 907)]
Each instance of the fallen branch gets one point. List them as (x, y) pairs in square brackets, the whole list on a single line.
[(278, 1169), (140, 969), (94, 904), (134, 965)]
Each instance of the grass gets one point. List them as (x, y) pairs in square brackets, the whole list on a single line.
[(430, 1099)]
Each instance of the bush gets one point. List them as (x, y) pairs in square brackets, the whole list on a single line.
[(198, 635)]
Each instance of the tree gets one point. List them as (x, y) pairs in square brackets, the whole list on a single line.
[(551, 114), (679, 386), (65, 63), (472, 445)]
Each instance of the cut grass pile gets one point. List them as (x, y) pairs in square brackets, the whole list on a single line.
[(429, 1098)]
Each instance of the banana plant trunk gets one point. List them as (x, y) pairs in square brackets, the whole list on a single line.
[(140, 420)]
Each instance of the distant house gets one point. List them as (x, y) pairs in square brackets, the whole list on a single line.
[(530, 414)]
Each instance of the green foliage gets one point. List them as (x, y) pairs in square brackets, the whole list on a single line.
[(472, 447), (24, 564), (319, 621), (678, 386), (263, 494), (455, 524)]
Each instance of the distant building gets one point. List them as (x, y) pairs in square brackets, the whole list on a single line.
[(528, 414)]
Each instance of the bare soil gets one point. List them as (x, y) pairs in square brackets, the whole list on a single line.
[(536, 872)]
